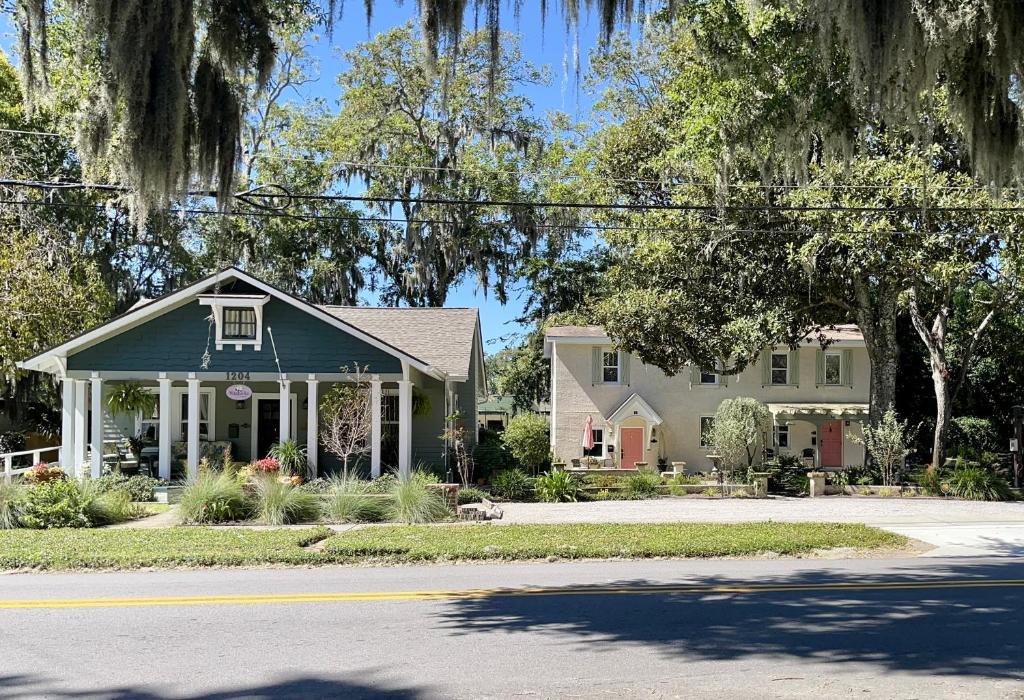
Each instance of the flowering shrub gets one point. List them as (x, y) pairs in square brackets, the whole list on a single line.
[(267, 465), (42, 473)]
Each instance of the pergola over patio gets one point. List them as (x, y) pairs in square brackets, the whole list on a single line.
[(818, 414)]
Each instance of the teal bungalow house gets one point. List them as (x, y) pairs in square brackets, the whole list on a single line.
[(236, 362)]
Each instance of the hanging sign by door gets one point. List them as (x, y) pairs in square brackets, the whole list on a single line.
[(238, 392)]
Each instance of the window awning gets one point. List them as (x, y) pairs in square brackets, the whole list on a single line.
[(818, 412)]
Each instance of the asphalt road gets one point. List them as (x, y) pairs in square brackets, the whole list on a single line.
[(910, 628)]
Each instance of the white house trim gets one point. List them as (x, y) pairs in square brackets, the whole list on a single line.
[(219, 302), (635, 407)]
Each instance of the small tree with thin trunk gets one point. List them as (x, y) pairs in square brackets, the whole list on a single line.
[(346, 416), (739, 425), (454, 436), (888, 443)]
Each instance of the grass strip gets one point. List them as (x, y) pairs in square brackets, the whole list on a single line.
[(158, 547), (594, 541), (200, 546)]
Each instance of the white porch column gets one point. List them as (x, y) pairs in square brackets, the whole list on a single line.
[(97, 426), (312, 425), (286, 409), (67, 425), (192, 462), (164, 431), (404, 427), (81, 435), (375, 418)]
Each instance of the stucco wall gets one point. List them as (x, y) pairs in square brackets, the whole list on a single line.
[(681, 405)]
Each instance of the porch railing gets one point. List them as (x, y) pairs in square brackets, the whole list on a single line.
[(9, 458)]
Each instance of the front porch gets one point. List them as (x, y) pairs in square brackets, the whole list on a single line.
[(196, 417)]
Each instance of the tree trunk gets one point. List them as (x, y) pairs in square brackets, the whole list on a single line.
[(876, 317), (943, 414)]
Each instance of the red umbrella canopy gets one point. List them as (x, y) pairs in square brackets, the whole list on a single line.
[(588, 434)]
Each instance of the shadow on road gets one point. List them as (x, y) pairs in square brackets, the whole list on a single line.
[(26, 686), (960, 631)]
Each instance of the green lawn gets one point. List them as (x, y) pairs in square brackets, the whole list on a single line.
[(170, 547), (425, 543)]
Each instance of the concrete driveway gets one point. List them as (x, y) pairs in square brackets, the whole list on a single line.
[(954, 528)]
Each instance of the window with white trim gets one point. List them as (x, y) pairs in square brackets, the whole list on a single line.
[(707, 424), (148, 426), (708, 377), (782, 436), (833, 368), (205, 415), (598, 449), (239, 323), (610, 366), (780, 368)]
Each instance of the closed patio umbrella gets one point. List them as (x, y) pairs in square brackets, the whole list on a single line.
[(588, 434)]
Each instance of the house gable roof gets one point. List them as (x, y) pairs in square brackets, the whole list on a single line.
[(54, 359), (634, 406), (445, 337)]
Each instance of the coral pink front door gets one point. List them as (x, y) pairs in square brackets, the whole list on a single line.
[(632, 446), (832, 444)]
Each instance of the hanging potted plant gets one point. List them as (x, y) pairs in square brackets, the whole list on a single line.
[(129, 398)]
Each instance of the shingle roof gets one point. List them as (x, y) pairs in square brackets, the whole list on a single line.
[(440, 337), (844, 331)]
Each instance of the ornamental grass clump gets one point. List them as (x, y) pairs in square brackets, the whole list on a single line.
[(557, 487), (352, 501), (11, 495), (213, 497), (277, 502), (977, 484), (108, 507), (512, 485), (412, 501)]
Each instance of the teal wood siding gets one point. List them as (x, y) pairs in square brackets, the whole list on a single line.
[(175, 342), (427, 445), (467, 400)]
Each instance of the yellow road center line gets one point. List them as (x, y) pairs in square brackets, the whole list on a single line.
[(386, 596)]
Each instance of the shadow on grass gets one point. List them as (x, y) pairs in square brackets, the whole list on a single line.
[(966, 630), (26, 686)]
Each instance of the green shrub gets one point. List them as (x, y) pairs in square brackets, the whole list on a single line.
[(557, 487), (686, 480), (977, 484), (642, 485), (351, 501), (511, 485), (490, 455), (470, 494), (42, 473), (277, 502), (413, 501), (58, 503), (677, 490), (977, 434), (139, 487), (712, 492), (11, 495), (739, 493), (213, 497), (602, 481), (385, 483), (526, 438)]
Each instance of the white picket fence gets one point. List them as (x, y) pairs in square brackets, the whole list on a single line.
[(9, 458)]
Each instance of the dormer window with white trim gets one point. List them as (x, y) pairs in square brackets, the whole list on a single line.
[(238, 318)]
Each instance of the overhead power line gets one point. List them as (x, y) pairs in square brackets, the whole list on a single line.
[(250, 195), (667, 180), (717, 230)]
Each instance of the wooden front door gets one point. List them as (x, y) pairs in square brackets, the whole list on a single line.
[(832, 444), (268, 426), (632, 443)]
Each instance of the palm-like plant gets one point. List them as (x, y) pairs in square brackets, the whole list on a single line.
[(291, 455)]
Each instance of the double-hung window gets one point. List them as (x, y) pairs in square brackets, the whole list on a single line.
[(610, 366), (709, 377), (205, 403), (598, 449), (833, 369), (780, 368), (239, 323)]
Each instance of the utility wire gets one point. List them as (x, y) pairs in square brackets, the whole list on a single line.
[(591, 227), (600, 206)]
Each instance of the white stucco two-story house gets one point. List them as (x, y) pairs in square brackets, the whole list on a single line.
[(817, 395)]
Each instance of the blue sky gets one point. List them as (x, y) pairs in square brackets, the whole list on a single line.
[(552, 48)]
